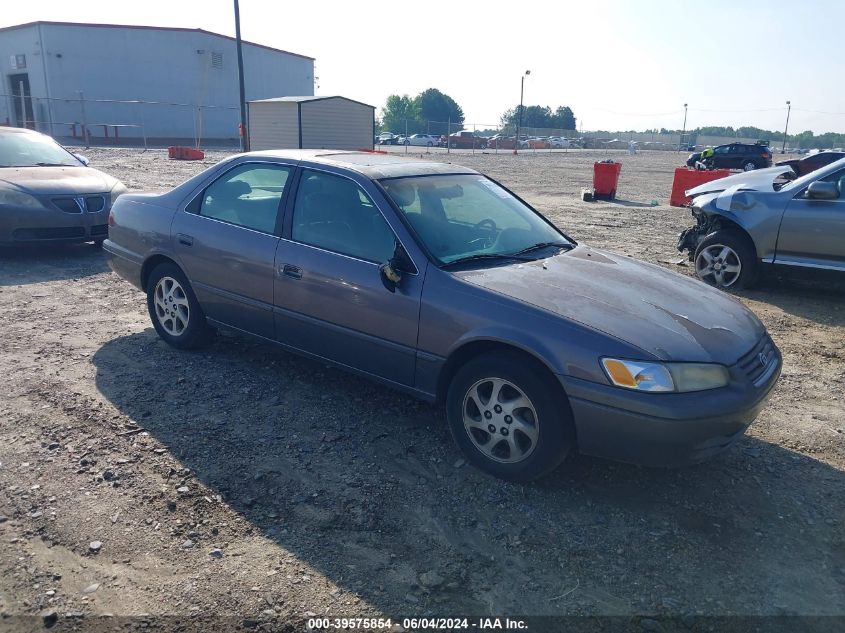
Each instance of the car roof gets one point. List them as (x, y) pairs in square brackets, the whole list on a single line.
[(370, 164), (18, 130)]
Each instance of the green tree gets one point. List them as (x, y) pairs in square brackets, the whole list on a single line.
[(564, 118), (400, 111), (540, 117), (434, 105)]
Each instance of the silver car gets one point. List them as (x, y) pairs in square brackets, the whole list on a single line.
[(48, 194), (436, 280), (747, 221)]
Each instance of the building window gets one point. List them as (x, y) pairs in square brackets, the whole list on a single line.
[(216, 59), (18, 62)]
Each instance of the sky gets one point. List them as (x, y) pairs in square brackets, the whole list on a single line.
[(619, 64)]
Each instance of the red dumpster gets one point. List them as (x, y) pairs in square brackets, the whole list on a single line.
[(689, 178), (606, 178)]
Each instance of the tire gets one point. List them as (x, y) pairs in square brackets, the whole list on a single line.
[(514, 454), (174, 310), (741, 252), (407, 143), (453, 145), (749, 165)]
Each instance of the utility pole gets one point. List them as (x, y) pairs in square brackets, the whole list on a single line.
[(786, 127), (244, 132), (519, 116), (684, 132)]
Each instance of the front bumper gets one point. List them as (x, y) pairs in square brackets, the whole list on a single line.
[(32, 226), (666, 429)]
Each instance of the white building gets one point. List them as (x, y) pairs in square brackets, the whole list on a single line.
[(311, 123), (137, 81)]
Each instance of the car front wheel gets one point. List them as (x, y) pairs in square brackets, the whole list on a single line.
[(174, 310), (749, 166), (726, 259), (509, 416)]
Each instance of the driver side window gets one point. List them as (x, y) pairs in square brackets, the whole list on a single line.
[(333, 213)]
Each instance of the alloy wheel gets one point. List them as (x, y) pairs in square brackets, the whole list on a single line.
[(171, 306), (719, 262), (500, 420)]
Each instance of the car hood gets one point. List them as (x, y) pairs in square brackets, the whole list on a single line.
[(755, 180), (669, 316), (57, 180)]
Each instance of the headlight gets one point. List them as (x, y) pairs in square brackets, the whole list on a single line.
[(117, 190), (665, 377), (10, 198)]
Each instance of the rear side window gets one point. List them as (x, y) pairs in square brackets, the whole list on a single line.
[(248, 195)]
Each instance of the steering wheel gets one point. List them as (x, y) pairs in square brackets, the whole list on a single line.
[(487, 224)]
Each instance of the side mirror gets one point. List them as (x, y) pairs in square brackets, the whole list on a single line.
[(390, 271), (82, 159), (822, 190)]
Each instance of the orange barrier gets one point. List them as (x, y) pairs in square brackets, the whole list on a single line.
[(687, 179), (184, 153)]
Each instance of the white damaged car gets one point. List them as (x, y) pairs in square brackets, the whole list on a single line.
[(762, 217)]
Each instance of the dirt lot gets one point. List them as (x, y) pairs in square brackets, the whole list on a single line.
[(242, 482)]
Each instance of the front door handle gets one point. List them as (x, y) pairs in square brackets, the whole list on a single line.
[(294, 272), (187, 240)]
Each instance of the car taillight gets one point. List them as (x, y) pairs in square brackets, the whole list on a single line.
[(111, 218)]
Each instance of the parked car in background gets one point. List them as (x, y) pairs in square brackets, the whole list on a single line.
[(812, 162), (537, 143), (421, 140), (558, 143), (387, 138), (745, 156), (48, 194), (466, 140), (434, 279), (500, 141), (749, 220)]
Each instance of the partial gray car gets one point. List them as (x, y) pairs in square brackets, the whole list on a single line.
[(48, 194), (749, 220), (438, 281)]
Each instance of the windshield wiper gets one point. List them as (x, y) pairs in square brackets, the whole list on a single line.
[(487, 257), (537, 247)]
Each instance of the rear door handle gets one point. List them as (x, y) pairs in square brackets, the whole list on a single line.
[(187, 240), (294, 272)]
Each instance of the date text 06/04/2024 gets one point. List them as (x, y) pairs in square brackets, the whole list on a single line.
[(419, 624)]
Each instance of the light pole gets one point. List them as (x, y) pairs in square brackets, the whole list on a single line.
[(684, 131), (244, 131), (519, 116), (786, 127)]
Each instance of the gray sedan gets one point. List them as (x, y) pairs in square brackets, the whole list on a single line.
[(438, 281), (747, 221), (48, 194)]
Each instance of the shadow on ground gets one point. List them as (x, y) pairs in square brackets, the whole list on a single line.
[(49, 262), (815, 295), (365, 485)]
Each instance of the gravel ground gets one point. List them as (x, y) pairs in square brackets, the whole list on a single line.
[(244, 483)]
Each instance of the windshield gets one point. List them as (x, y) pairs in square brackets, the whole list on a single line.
[(33, 150), (806, 179), (463, 216)]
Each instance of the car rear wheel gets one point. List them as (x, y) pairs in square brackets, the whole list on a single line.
[(174, 310), (509, 417), (726, 259), (749, 165)]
